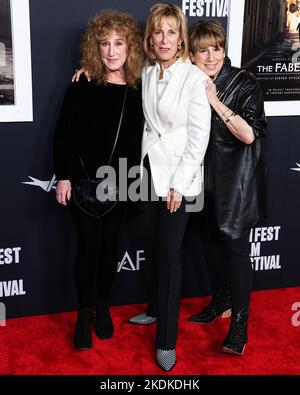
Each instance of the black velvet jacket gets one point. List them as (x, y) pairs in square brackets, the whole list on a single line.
[(87, 126), (235, 172)]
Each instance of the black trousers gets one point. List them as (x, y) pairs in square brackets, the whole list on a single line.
[(165, 234), (168, 231), (228, 261), (96, 258)]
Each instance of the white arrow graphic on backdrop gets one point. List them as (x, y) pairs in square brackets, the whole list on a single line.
[(45, 185), (296, 168)]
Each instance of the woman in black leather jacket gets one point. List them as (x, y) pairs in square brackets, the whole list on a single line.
[(234, 181)]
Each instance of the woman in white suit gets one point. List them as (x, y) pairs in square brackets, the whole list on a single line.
[(176, 133)]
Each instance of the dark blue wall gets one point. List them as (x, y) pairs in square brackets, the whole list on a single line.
[(33, 221)]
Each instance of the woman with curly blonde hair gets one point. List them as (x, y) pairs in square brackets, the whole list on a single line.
[(84, 139), (101, 26)]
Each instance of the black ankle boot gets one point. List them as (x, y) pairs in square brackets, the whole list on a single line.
[(220, 303), (236, 339), (83, 329), (104, 327)]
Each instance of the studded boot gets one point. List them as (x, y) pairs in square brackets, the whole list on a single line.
[(219, 304), (236, 339)]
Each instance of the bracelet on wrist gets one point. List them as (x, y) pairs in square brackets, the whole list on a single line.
[(223, 115), (231, 116)]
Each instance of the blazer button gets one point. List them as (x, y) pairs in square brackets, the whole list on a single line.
[(159, 135), (148, 130)]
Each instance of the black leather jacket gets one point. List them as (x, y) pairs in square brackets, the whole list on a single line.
[(235, 172)]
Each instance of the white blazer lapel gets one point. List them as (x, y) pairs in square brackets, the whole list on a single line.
[(150, 97), (168, 102)]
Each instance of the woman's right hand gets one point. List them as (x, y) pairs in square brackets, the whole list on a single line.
[(78, 73), (63, 191), (211, 91)]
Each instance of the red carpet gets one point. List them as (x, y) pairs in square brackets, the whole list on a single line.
[(42, 344)]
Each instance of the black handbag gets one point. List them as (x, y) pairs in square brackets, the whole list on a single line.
[(97, 197)]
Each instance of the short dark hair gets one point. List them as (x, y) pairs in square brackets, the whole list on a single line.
[(206, 33)]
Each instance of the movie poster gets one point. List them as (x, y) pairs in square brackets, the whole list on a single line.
[(270, 49), (15, 62), (7, 95)]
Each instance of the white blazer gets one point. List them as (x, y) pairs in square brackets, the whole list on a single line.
[(177, 127)]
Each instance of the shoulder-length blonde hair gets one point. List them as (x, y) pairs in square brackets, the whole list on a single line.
[(100, 26), (157, 12)]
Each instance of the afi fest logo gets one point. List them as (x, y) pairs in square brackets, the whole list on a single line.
[(208, 8), (296, 316), (127, 263), (2, 314)]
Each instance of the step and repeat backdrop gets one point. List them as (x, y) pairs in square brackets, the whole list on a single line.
[(39, 52)]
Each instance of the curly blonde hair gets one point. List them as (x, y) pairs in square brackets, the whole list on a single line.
[(100, 26), (157, 12)]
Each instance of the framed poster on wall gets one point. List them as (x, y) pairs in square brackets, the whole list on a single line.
[(264, 38), (15, 62)]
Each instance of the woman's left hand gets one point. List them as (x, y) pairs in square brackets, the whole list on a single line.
[(174, 200), (211, 91)]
